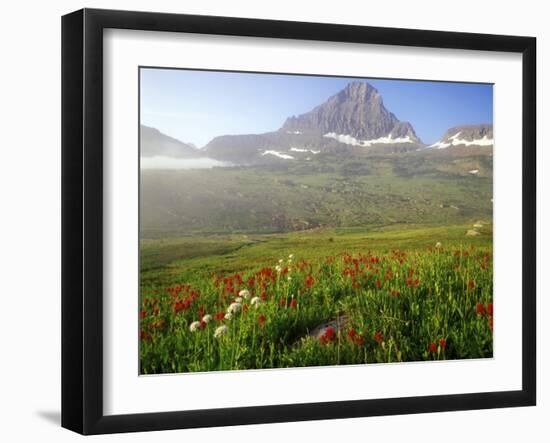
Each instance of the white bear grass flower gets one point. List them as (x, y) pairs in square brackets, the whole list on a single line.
[(244, 293), (255, 301), (438, 245), (228, 316), (291, 256), (206, 318), (234, 308), (278, 268), (195, 326), (221, 330), (238, 299)]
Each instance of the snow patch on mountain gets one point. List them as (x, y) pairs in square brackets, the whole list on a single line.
[(349, 140), (455, 141), (278, 154), (313, 151)]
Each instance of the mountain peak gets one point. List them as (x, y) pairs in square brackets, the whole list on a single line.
[(354, 116), (356, 111), (357, 90)]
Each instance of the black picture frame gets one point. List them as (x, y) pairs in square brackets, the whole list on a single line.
[(82, 219)]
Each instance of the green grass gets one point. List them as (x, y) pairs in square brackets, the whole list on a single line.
[(362, 232), (402, 298), (267, 200)]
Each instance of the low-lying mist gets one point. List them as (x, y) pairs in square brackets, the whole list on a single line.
[(159, 162)]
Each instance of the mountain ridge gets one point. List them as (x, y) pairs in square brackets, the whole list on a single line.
[(352, 122), (466, 135), (354, 116), (154, 143)]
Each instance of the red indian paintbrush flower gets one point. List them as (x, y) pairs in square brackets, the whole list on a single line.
[(327, 336), (293, 303), (443, 343), (238, 279), (480, 309), (181, 305), (261, 320), (378, 337), (490, 309), (432, 347), (144, 335), (471, 284), (158, 324), (309, 281), (351, 334)]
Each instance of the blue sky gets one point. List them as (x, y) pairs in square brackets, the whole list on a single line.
[(196, 106)]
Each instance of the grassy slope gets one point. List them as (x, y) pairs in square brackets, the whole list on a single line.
[(292, 197), (442, 307), (166, 260)]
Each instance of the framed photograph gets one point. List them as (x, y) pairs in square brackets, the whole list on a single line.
[(269, 221)]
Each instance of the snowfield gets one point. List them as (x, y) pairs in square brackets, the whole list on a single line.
[(455, 141), (278, 154), (350, 140)]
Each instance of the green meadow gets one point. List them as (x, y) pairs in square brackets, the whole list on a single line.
[(324, 296), (373, 259)]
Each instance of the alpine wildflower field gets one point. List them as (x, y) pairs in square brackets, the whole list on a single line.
[(415, 303)]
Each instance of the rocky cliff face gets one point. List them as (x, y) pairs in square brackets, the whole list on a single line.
[(471, 132), (357, 111), (403, 130)]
